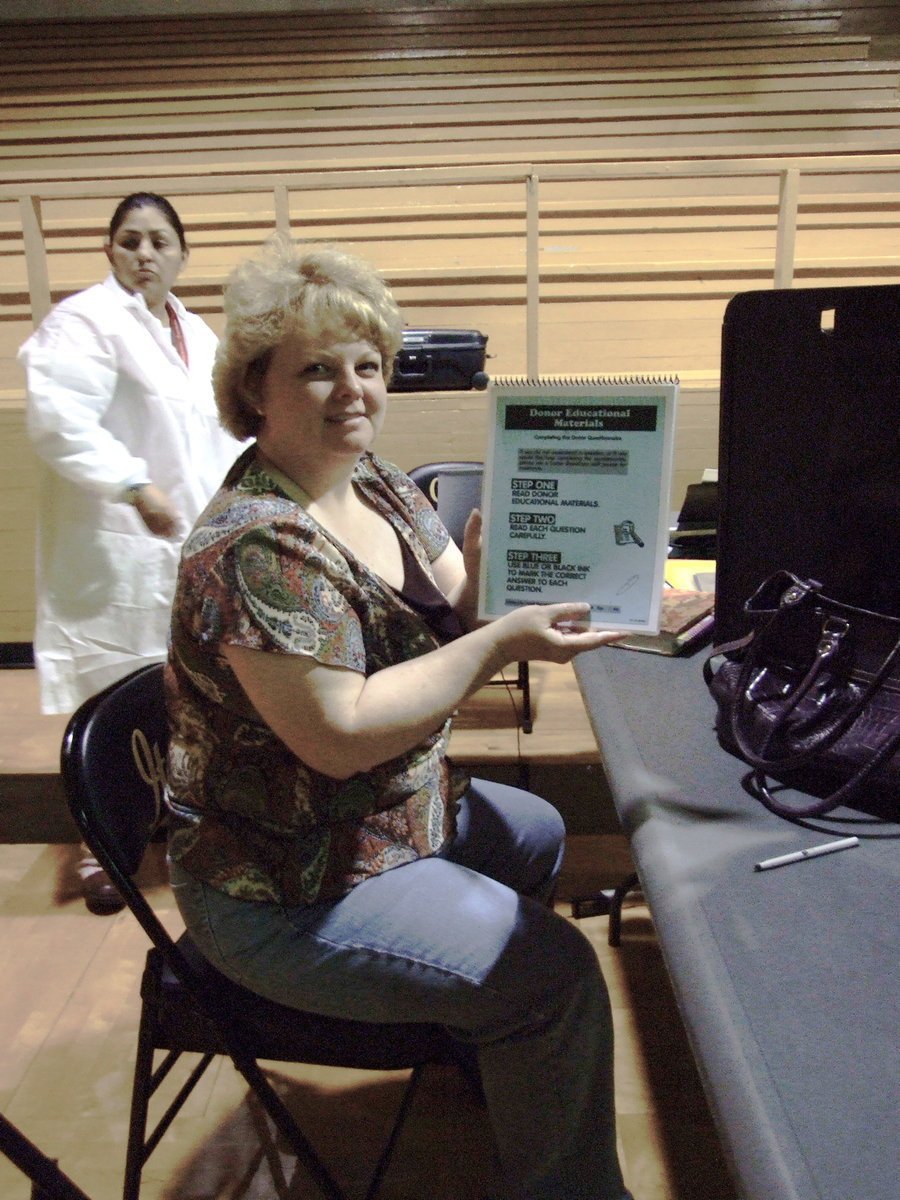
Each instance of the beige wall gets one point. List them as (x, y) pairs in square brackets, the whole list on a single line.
[(656, 147)]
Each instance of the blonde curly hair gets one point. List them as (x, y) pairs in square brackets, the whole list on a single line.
[(286, 290)]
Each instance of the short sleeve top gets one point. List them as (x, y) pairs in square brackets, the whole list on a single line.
[(248, 816)]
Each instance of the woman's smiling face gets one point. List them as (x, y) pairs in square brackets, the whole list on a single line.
[(322, 402), (146, 256)]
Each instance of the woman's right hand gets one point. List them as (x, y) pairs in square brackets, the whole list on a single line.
[(549, 633), (155, 509)]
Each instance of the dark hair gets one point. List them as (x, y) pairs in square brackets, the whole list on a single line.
[(147, 200)]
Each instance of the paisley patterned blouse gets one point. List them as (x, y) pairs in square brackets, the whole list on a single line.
[(248, 817)]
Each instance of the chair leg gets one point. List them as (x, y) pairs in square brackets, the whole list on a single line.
[(523, 775), (615, 910), (273, 1106), (141, 1091), (286, 1125), (399, 1122), (524, 682), (609, 901)]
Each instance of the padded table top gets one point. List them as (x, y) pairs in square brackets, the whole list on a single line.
[(788, 980)]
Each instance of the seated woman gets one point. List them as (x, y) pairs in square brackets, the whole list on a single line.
[(324, 851)]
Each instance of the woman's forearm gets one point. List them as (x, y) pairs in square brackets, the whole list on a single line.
[(399, 707), (341, 723)]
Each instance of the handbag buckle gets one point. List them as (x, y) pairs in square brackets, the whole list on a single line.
[(798, 591), (834, 630)]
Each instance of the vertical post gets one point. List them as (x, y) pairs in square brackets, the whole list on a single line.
[(282, 210), (35, 257), (786, 236), (532, 274)]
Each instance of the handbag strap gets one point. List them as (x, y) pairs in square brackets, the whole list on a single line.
[(847, 790)]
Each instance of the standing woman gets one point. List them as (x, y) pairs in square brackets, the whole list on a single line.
[(324, 850), (121, 413)]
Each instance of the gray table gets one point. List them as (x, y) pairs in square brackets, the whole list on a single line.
[(788, 980)]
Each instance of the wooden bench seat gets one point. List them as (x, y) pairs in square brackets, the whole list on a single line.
[(593, 129), (862, 77), (646, 55)]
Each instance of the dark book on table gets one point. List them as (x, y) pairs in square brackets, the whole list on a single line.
[(685, 619)]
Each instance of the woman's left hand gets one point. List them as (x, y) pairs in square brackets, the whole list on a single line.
[(456, 572), (471, 547), (467, 599), (155, 509)]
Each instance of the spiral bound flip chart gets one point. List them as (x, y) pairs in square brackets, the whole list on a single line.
[(576, 496)]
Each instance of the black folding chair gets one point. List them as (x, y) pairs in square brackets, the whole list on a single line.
[(113, 760), (462, 493)]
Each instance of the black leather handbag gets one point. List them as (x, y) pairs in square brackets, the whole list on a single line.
[(811, 698)]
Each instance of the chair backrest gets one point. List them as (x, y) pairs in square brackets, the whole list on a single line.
[(113, 771), (113, 767), (454, 488)]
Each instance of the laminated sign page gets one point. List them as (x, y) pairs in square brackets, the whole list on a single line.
[(576, 497)]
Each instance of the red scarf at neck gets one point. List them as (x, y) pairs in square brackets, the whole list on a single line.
[(177, 334)]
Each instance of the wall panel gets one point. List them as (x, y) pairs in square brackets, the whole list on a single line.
[(656, 128)]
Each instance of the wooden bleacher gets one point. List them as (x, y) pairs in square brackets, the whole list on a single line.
[(587, 184)]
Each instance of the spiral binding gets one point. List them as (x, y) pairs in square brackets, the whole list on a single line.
[(561, 381)]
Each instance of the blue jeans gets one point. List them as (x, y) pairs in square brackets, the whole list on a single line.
[(466, 939)]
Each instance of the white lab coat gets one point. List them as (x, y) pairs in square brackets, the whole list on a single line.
[(110, 403)]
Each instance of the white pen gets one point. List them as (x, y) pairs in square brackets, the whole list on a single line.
[(813, 852)]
